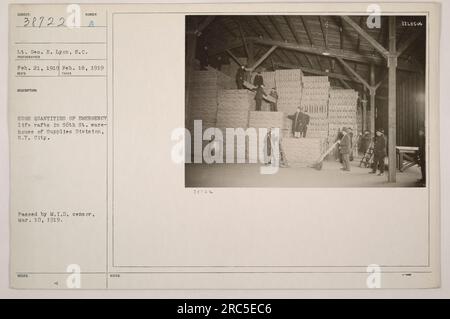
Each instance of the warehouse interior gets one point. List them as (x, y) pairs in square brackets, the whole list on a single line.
[(342, 70)]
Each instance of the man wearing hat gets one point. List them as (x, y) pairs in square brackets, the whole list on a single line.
[(344, 149), (379, 152), (240, 77), (260, 94), (258, 80), (304, 120)]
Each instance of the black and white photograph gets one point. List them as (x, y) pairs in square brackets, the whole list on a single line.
[(305, 101)]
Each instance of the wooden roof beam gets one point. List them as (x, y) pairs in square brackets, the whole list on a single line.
[(296, 37), (358, 44), (267, 33), (345, 84), (355, 74), (323, 28), (310, 37), (292, 29), (263, 58), (347, 55), (381, 49), (233, 57), (322, 51), (244, 41), (270, 35), (316, 72), (308, 31), (277, 27)]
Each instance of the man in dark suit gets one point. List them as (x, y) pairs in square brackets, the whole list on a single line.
[(296, 123), (240, 77), (258, 80), (379, 152), (304, 119), (260, 94), (273, 105), (344, 149)]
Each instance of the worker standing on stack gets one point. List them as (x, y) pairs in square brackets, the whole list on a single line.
[(379, 152), (273, 105), (258, 80), (304, 119), (260, 94), (344, 149), (296, 123), (240, 77)]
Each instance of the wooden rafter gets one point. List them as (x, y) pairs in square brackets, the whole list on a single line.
[(244, 41), (310, 37), (381, 49), (323, 28), (383, 78), (347, 55), (354, 73), (275, 24), (261, 59), (296, 37), (292, 29), (308, 31), (341, 34), (277, 29), (267, 34), (317, 72), (344, 54), (345, 84), (233, 57), (358, 43), (381, 37)]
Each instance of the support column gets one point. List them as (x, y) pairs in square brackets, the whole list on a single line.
[(392, 98), (191, 45), (250, 59), (372, 93), (364, 111)]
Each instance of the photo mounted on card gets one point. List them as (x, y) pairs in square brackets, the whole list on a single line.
[(304, 100)]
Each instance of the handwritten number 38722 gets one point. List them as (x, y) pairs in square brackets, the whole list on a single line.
[(39, 22)]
